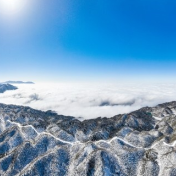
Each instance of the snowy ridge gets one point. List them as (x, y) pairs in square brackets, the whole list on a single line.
[(140, 143)]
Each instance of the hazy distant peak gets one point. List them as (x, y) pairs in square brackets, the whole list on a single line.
[(19, 82), (5, 87)]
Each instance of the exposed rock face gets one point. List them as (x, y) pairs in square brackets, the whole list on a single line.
[(5, 87), (141, 143)]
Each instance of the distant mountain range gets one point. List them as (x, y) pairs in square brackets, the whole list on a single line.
[(5, 87), (19, 82), (37, 143)]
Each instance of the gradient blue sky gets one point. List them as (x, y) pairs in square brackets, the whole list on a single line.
[(66, 40)]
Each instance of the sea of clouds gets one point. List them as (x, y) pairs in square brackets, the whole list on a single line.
[(88, 101)]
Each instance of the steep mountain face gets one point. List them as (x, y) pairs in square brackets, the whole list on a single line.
[(5, 87), (141, 143)]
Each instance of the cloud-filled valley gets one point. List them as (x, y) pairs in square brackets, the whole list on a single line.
[(90, 100)]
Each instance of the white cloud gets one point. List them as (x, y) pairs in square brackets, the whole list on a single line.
[(90, 100)]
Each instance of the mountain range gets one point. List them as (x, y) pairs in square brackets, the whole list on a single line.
[(18, 82), (37, 143)]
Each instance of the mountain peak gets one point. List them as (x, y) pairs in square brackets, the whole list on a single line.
[(6, 87)]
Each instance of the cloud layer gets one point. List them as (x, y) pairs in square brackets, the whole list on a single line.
[(90, 100)]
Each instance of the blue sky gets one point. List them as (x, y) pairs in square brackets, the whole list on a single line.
[(89, 40)]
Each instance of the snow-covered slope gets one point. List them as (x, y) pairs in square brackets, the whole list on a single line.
[(141, 143), (5, 87)]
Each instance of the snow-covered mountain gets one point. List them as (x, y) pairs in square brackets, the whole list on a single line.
[(141, 143), (5, 87)]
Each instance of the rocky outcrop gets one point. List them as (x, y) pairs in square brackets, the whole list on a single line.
[(141, 143)]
